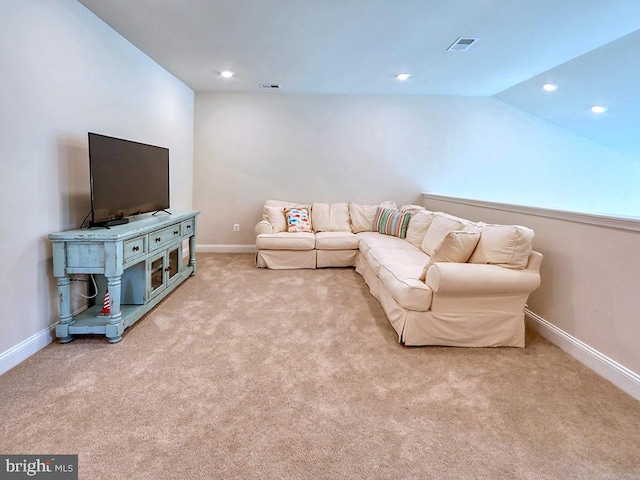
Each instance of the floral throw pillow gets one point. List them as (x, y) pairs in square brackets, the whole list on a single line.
[(297, 220)]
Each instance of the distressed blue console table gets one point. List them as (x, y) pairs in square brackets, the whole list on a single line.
[(140, 263)]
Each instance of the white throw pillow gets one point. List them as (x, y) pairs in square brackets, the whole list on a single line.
[(456, 246), (440, 226), (330, 218), (277, 218)]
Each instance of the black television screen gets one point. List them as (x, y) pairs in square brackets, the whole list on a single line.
[(127, 178)]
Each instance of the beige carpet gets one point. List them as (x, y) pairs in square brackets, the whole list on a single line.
[(246, 373)]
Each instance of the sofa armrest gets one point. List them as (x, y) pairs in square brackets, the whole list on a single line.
[(479, 279), (263, 226)]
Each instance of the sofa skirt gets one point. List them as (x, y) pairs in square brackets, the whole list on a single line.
[(286, 259), (336, 258)]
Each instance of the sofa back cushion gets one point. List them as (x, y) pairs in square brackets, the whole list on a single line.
[(440, 226), (330, 217), (363, 216), (456, 246), (390, 221), (504, 245), (418, 226)]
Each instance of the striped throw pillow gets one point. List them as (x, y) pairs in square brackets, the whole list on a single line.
[(391, 222)]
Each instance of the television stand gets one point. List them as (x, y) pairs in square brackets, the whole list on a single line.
[(139, 263)]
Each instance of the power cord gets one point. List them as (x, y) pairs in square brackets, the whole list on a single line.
[(95, 287), (85, 219)]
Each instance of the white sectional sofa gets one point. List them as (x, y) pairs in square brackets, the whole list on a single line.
[(441, 279)]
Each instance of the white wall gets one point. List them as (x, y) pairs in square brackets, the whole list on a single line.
[(250, 147), (492, 151), (322, 148), (64, 73)]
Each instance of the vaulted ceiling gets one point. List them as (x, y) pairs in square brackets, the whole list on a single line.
[(588, 47)]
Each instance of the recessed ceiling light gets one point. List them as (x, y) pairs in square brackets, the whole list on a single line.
[(598, 109), (549, 87), (226, 74), (403, 76)]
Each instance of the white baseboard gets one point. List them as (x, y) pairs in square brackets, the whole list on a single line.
[(617, 374), (226, 248), (20, 352)]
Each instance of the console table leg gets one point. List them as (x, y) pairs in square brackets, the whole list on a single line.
[(192, 254), (114, 327), (64, 309)]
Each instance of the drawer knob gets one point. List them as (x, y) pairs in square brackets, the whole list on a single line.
[(136, 248), (158, 239), (175, 232), (167, 269), (188, 227)]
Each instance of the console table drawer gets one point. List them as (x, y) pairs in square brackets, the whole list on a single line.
[(187, 227), (159, 238), (134, 247)]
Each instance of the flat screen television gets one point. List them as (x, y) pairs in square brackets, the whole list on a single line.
[(127, 178)]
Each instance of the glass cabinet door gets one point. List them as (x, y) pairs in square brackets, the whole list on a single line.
[(156, 274), (174, 263), (163, 268)]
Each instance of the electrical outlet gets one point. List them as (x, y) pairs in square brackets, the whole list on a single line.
[(236, 227)]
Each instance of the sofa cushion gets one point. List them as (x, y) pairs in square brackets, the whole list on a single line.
[(440, 226), (362, 216), (298, 220), (376, 257), (330, 218), (504, 245), (418, 226), (402, 283), (456, 246), (286, 241), (370, 240), (412, 208), (277, 218), (337, 241), (390, 221)]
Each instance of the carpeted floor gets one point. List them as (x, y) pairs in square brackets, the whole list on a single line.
[(246, 373)]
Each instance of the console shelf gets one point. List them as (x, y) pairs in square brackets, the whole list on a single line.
[(139, 263)]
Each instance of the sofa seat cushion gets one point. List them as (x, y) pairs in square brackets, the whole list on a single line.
[(286, 241), (401, 281), (370, 240), (337, 241), (376, 257)]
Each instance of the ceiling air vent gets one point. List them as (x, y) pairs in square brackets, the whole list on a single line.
[(269, 86), (462, 44)]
